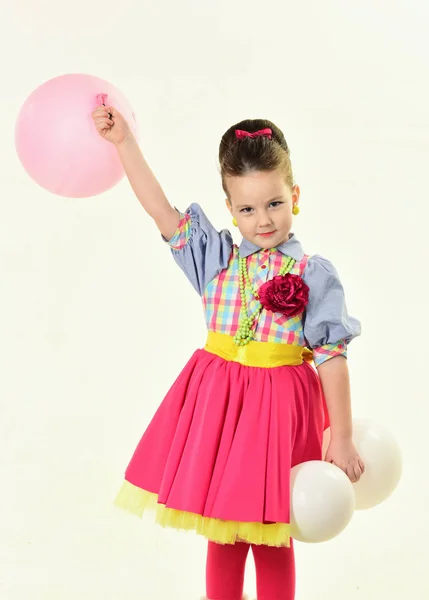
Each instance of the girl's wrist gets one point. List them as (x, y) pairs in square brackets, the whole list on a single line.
[(128, 140), (342, 435)]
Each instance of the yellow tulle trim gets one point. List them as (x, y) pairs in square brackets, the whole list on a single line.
[(137, 501)]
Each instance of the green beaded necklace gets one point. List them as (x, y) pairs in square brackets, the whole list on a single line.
[(245, 334)]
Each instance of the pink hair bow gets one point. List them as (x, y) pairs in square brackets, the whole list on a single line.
[(240, 134)]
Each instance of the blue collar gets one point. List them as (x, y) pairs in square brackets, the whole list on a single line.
[(290, 248)]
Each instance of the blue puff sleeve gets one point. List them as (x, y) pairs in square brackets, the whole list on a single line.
[(199, 249), (328, 328)]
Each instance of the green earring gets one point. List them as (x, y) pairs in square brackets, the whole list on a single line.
[(234, 222), (295, 209)]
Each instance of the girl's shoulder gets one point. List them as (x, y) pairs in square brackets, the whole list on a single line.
[(321, 275), (200, 250), (319, 267)]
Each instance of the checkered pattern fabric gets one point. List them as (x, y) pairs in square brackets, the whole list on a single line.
[(181, 236), (222, 303), (324, 353)]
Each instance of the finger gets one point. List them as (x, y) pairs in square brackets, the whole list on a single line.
[(109, 114), (104, 125), (106, 120), (112, 110), (103, 129), (357, 472), (362, 465), (351, 473), (100, 115), (100, 109)]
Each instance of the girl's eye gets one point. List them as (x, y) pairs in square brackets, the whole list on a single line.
[(246, 210), (276, 203)]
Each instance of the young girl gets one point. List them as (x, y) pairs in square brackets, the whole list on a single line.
[(217, 456)]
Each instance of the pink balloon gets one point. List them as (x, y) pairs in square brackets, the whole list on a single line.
[(56, 140)]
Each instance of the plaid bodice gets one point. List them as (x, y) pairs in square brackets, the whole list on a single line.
[(210, 261)]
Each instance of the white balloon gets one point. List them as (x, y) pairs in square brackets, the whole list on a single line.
[(322, 501), (382, 458), (383, 463)]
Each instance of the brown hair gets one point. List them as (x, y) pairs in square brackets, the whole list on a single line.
[(239, 156)]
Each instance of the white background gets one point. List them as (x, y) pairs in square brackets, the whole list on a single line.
[(97, 321)]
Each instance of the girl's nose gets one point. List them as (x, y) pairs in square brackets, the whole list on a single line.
[(264, 221)]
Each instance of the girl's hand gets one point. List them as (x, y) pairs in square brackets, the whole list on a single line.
[(111, 125), (343, 454)]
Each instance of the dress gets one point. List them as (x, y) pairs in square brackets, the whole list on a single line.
[(217, 455)]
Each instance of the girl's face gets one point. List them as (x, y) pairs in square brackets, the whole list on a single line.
[(262, 203)]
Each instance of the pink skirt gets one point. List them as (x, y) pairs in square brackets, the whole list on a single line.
[(217, 456)]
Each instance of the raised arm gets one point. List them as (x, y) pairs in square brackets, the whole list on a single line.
[(112, 126)]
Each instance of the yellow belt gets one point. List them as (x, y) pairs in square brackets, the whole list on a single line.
[(257, 354)]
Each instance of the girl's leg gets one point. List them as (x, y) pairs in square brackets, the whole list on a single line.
[(275, 572), (225, 571)]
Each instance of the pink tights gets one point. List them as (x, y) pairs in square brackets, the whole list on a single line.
[(275, 571)]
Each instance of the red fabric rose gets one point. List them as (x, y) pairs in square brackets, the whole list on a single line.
[(286, 294)]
